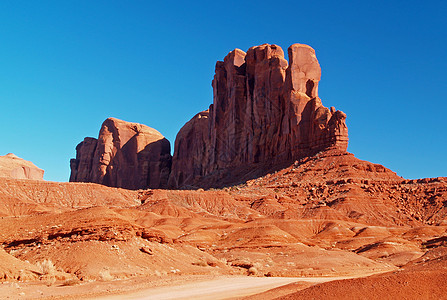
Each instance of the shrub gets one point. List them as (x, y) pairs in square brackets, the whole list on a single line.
[(105, 275), (252, 271), (47, 271), (46, 267), (71, 282), (200, 263)]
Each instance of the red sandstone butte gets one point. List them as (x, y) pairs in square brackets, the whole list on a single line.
[(15, 167), (264, 110), (126, 155)]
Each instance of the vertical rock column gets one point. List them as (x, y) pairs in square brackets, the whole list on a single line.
[(264, 110)]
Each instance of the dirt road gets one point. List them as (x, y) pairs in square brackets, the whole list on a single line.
[(223, 288)]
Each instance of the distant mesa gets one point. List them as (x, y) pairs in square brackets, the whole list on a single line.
[(12, 166), (126, 155), (265, 111)]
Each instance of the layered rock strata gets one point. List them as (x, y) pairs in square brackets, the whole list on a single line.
[(264, 110), (126, 155), (13, 166)]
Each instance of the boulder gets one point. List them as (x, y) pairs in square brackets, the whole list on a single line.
[(13, 166), (126, 155)]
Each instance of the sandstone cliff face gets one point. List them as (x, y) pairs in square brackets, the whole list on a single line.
[(13, 166), (264, 110), (126, 155), (191, 149)]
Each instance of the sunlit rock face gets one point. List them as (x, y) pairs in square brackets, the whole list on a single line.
[(126, 155), (12, 166), (265, 109)]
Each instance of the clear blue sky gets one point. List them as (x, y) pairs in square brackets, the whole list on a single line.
[(65, 66)]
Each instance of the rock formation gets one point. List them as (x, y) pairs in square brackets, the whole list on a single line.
[(264, 110), (15, 167), (126, 155)]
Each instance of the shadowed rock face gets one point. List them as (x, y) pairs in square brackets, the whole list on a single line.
[(13, 166), (264, 110), (126, 155), (191, 150)]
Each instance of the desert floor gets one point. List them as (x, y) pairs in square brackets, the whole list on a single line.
[(175, 287)]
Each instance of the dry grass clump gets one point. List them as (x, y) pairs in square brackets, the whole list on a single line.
[(204, 263), (46, 267), (71, 282), (47, 271), (200, 263), (252, 271), (105, 275)]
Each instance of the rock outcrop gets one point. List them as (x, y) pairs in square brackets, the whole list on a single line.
[(264, 110), (126, 155), (13, 166)]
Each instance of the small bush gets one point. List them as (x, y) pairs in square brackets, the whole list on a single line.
[(47, 271), (46, 267), (50, 280), (252, 271), (71, 282), (105, 275), (200, 263), (211, 263)]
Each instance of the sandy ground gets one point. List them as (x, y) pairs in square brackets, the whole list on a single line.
[(191, 287), (83, 240), (221, 288), (225, 287)]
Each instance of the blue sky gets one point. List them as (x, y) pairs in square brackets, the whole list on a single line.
[(65, 66)]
